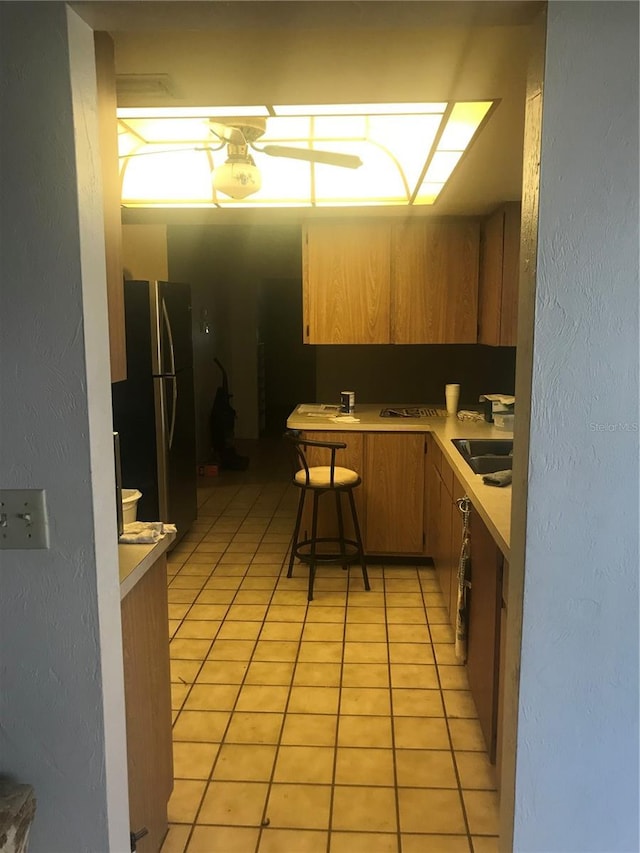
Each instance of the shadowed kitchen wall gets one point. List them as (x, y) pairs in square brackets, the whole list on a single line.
[(226, 266), (414, 374), (229, 268)]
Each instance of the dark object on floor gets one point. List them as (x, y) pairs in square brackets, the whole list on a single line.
[(17, 810), (321, 480), (222, 423)]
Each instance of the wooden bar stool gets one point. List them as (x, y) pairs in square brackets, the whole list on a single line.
[(320, 480)]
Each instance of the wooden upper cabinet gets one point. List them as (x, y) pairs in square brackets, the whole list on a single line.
[(434, 281), (499, 273), (346, 282), (108, 136)]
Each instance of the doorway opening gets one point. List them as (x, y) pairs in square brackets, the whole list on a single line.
[(286, 366)]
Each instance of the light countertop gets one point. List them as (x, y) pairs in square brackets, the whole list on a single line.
[(136, 560), (492, 503)]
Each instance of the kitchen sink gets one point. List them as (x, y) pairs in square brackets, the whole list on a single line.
[(486, 455)]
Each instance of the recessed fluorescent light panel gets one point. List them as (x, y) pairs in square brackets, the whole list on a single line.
[(168, 156)]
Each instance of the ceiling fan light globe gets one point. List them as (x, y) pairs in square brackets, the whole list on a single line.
[(237, 179)]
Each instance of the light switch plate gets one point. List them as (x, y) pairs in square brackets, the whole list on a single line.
[(23, 519)]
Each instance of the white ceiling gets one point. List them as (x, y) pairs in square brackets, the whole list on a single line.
[(315, 52)]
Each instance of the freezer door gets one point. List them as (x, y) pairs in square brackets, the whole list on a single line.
[(171, 327), (175, 424), (134, 419)]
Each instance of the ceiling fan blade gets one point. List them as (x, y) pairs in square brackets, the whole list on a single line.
[(329, 158), (229, 134)]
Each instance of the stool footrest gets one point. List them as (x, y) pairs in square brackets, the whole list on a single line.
[(351, 554)]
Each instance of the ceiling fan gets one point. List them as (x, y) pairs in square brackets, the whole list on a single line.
[(239, 176)]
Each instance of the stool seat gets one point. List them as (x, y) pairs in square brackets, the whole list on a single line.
[(320, 477), (321, 480)]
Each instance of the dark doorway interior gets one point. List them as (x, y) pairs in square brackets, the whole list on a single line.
[(287, 367)]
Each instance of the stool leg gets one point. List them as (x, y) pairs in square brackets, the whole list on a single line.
[(296, 533), (343, 547), (363, 563), (312, 556)]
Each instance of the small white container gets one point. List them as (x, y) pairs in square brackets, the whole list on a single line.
[(452, 396), (130, 498)]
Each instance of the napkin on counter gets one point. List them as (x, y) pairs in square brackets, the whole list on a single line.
[(498, 478), (145, 532), (345, 419)]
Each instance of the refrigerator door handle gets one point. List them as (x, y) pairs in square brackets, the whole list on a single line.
[(165, 317), (172, 428)]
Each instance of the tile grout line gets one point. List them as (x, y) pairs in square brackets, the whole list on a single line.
[(270, 782), (332, 789), (209, 779), (304, 624), (393, 733), (446, 721)]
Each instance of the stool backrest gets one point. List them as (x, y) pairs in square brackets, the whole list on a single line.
[(299, 445)]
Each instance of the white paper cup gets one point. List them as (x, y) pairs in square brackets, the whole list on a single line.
[(451, 396)]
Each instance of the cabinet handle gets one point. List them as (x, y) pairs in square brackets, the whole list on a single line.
[(134, 837)]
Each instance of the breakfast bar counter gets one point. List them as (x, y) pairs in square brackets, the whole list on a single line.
[(492, 503)]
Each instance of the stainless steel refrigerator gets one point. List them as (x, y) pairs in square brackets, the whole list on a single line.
[(154, 408)]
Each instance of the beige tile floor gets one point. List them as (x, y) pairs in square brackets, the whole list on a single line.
[(336, 726)]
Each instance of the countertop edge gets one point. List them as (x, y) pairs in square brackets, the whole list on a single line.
[(471, 483), (136, 560), (492, 503)]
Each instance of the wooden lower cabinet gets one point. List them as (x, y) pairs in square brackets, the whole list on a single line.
[(457, 529), (148, 705), (444, 557), (390, 501), (442, 546), (504, 586), (484, 629), (486, 612), (433, 502), (394, 482)]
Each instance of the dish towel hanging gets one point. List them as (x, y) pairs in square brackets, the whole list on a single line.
[(464, 584)]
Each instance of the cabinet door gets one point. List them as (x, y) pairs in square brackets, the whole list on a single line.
[(456, 546), (147, 692), (434, 282), (501, 666), (490, 295), (438, 519), (351, 457), (483, 629), (108, 139), (499, 274), (394, 484), (510, 275), (431, 499), (444, 558), (346, 282)]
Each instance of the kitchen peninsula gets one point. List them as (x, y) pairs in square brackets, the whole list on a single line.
[(412, 479), (493, 504)]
